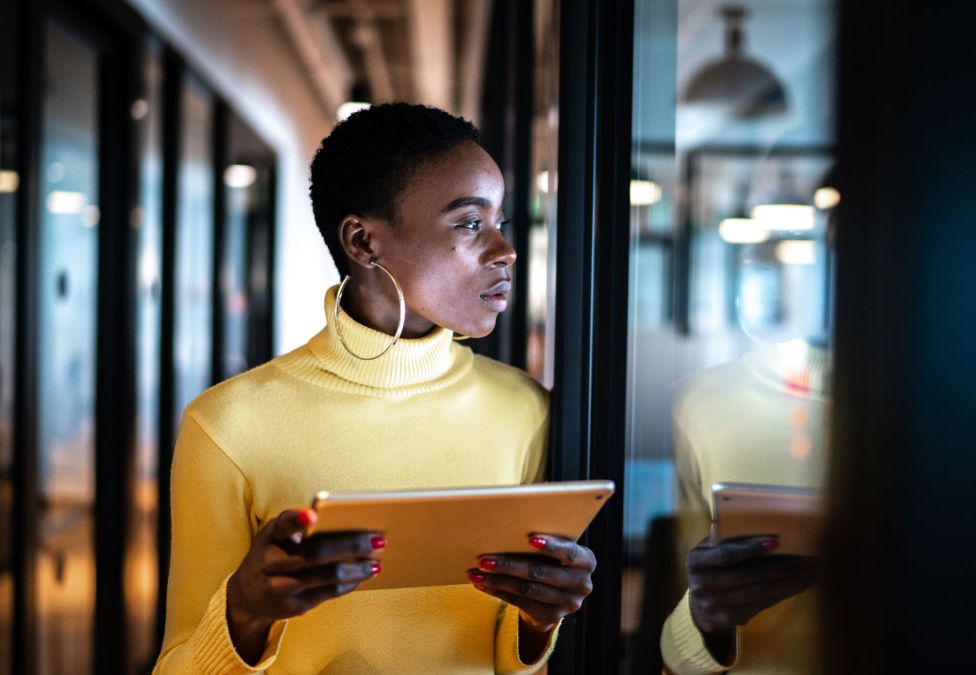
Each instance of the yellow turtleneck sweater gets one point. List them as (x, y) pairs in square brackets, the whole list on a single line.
[(429, 413), (760, 419)]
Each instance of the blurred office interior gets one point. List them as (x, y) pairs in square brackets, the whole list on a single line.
[(738, 221)]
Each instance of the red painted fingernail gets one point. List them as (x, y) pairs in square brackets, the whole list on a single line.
[(488, 564), (476, 577), (378, 542), (305, 517), (376, 568), (770, 544), (537, 542)]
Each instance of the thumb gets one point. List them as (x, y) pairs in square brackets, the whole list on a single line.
[(291, 524)]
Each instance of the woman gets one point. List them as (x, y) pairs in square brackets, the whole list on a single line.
[(382, 398)]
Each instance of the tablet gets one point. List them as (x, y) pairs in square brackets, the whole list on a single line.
[(435, 536), (793, 514)]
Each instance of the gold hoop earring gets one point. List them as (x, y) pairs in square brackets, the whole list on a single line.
[(399, 330)]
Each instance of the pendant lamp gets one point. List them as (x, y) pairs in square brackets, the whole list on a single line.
[(746, 86)]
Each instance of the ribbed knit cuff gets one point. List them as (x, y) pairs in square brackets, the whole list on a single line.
[(213, 650), (683, 647), (507, 659)]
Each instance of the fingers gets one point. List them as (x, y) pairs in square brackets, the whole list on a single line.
[(736, 608), (336, 574), (537, 570), (523, 588), (286, 557), (759, 595), (757, 571), (728, 553), (566, 551)]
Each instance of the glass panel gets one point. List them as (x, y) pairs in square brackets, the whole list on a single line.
[(69, 218), (194, 247), (731, 199), (9, 184), (141, 564), (542, 196), (245, 263)]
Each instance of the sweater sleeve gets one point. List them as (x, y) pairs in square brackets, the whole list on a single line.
[(507, 659), (682, 644), (212, 528)]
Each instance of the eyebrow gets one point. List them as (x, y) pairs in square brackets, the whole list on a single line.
[(461, 202)]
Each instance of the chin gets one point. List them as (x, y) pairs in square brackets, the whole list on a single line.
[(479, 330)]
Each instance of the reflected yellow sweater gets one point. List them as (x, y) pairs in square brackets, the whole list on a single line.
[(427, 414)]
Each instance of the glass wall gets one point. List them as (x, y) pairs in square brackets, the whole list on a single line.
[(141, 566), (9, 186), (246, 249), (69, 220), (730, 293), (194, 246)]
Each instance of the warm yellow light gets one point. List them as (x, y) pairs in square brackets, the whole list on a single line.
[(789, 217), (742, 231), (826, 198), (65, 203), (644, 193), (239, 176), (796, 252), (350, 107), (9, 181)]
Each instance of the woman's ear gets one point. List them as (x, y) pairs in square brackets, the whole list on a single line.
[(356, 237)]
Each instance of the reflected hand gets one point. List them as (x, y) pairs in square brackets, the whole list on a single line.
[(545, 587), (732, 582)]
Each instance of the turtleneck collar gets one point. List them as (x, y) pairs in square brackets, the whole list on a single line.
[(408, 367)]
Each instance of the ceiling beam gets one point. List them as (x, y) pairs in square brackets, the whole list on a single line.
[(431, 27), (476, 28), (320, 50)]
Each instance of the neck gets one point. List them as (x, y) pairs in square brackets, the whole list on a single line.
[(372, 301)]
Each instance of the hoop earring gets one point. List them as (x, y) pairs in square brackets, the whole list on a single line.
[(461, 338), (399, 330)]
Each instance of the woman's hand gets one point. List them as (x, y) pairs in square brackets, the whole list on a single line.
[(545, 587), (283, 575), (730, 583)]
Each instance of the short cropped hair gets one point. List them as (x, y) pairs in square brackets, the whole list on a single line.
[(363, 166)]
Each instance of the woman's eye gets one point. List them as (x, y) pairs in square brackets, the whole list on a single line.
[(473, 224), (502, 224)]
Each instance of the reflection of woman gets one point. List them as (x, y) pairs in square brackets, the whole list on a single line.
[(405, 199), (759, 419)]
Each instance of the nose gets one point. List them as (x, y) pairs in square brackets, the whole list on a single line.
[(500, 252)]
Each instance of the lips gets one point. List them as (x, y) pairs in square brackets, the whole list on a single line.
[(497, 295)]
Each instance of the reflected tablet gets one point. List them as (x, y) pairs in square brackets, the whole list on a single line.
[(793, 514), (435, 536)]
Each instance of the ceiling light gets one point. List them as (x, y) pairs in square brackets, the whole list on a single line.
[(9, 181), (826, 198), (350, 107), (542, 182), (796, 252), (644, 192), (240, 175), (784, 217), (742, 231), (64, 203), (735, 80)]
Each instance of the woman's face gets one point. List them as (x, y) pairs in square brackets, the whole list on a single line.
[(447, 249)]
